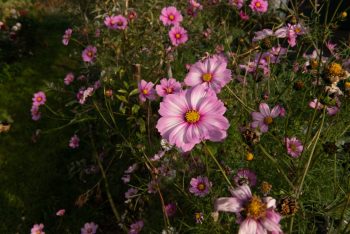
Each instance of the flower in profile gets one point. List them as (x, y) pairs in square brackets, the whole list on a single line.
[(316, 104), (255, 215), (244, 16), (89, 54), (260, 35), (168, 87), (245, 176), (211, 73), (132, 15), (237, 3), (170, 16), (200, 186), (170, 209), (74, 141), (146, 91), (131, 193), (191, 116), (136, 227), (36, 115), (259, 6), (37, 229), (39, 98), (66, 37), (178, 35), (89, 228), (83, 94), (199, 217), (69, 78), (61, 212), (294, 146), (264, 117), (116, 22)]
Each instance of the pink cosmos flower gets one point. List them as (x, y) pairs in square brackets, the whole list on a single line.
[(61, 212), (74, 141), (259, 6), (315, 104), (136, 227), (66, 37), (178, 35), (36, 115), (237, 3), (170, 209), (69, 78), (255, 215), (260, 35), (126, 178), (131, 193), (245, 176), (83, 94), (294, 146), (244, 16), (116, 22), (168, 87), (211, 73), (37, 229), (39, 98), (195, 5), (89, 228), (265, 117), (89, 54), (191, 116), (170, 16), (200, 186), (146, 91)]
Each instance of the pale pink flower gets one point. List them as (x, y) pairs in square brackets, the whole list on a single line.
[(116, 22), (178, 35), (200, 186), (170, 16), (211, 73), (131, 193), (74, 141), (89, 54), (245, 176), (168, 87), (315, 104), (264, 117), (191, 116), (89, 228), (83, 94), (69, 78), (136, 227), (66, 37), (37, 229), (259, 6), (61, 212), (146, 91), (260, 35), (39, 98), (294, 146), (237, 3)]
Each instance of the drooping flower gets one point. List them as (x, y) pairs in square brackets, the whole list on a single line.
[(191, 116), (66, 37), (237, 3), (37, 229), (260, 35), (69, 78), (211, 73), (244, 16), (89, 228), (255, 215), (294, 146), (39, 98), (170, 16), (36, 115), (178, 35), (74, 141), (245, 176), (265, 117), (168, 87), (200, 186), (170, 209), (146, 91), (89, 54), (136, 227), (259, 6), (116, 22), (61, 212)]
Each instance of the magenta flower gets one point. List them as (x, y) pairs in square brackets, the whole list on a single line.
[(36, 115), (69, 78), (211, 73), (259, 6), (74, 141), (61, 212), (245, 176), (200, 186), (116, 22), (237, 3), (170, 209), (191, 116), (178, 35), (170, 16), (66, 37), (136, 227), (265, 117), (168, 87), (89, 228), (244, 16), (146, 91), (294, 146), (37, 229), (39, 98), (89, 54), (257, 215)]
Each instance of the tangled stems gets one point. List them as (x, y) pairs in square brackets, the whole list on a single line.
[(247, 108)]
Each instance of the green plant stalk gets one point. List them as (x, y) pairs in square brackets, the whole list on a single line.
[(248, 109)]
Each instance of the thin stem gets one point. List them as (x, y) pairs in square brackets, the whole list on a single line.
[(240, 100)]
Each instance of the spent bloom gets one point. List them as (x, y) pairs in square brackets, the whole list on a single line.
[(136, 227), (191, 116), (199, 217), (170, 16), (89, 54), (131, 193), (146, 91), (260, 35), (178, 35), (39, 98), (255, 215), (116, 22), (237, 3), (74, 141), (211, 73), (168, 87), (200, 186), (37, 229), (61, 212), (69, 78), (294, 146), (66, 37), (264, 117), (245, 176), (36, 115), (259, 6), (89, 228)]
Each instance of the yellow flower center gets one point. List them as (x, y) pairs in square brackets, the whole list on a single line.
[(293, 147), (89, 54), (256, 208), (297, 30), (192, 116), (198, 215), (258, 4), (201, 187), (38, 99), (268, 120), (38, 232), (177, 35), (145, 91), (171, 17), (207, 77), (335, 69)]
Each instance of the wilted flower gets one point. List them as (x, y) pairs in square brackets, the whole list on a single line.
[(200, 186), (146, 91), (178, 35), (294, 146), (170, 16), (89, 228)]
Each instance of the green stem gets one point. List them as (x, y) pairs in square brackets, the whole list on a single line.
[(240, 100)]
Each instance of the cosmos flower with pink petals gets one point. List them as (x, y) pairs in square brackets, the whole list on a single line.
[(244, 16), (260, 35), (294, 146), (69, 78), (168, 87), (89, 54), (170, 209), (116, 22), (200, 186), (136, 227), (89, 228), (245, 176), (146, 91), (37, 229), (259, 6), (66, 37), (170, 16), (189, 117), (211, 73), (74, 141), (264, 117), (178, 35), (39, 98)]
